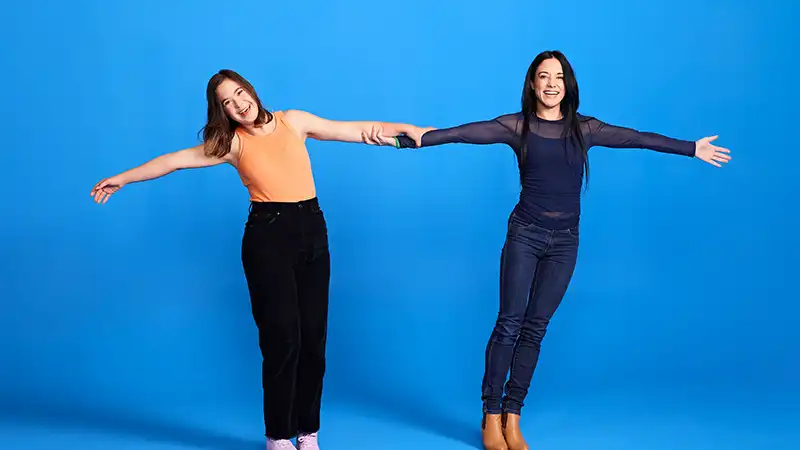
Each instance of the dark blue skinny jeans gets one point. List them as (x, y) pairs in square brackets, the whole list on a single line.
[(536, 267)]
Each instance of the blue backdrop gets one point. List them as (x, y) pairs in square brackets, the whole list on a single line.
[(685, 279)]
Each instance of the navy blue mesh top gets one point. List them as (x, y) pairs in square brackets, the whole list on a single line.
[(551, 178)]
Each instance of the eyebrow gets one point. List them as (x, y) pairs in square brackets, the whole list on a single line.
[(234, 92)]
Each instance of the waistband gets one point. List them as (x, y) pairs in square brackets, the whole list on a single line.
[(284, 206), (568, 222)]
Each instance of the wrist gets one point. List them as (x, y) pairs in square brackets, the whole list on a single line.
[(122, 179)]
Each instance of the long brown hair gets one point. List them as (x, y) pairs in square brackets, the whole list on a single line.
[(219, 129)]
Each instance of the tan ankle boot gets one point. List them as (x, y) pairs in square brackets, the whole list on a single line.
[(492, 427), (512, 433)]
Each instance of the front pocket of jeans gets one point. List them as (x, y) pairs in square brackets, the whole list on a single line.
[(261, 219)]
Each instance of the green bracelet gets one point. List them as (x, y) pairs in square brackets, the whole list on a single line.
[(396, 142)]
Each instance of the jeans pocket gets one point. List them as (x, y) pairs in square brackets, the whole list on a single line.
[(261, 219), (514, 222)]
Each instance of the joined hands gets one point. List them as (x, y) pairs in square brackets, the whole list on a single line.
[(376, 136)]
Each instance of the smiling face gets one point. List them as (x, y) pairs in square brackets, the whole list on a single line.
[(237, 102), (548, 83)]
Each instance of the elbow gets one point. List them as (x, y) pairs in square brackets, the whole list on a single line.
[(172, 163)]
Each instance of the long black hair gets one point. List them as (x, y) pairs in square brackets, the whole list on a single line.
[(569, 109)]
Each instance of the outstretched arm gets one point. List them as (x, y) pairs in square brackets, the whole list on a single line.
[(312, 126), (500, 130), (605, 135), (189, 158)]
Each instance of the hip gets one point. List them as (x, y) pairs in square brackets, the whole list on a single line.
[(285, 225), (536, 217), (534, 238)]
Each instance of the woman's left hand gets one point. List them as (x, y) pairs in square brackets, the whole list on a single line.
[(710, 153)]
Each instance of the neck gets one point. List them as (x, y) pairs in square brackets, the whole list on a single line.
[(548, 113), (253, 129), (259, 130)]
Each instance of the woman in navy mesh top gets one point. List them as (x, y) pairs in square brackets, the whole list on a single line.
[(551, 140)]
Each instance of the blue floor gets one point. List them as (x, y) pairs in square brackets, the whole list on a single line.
[(610, 422)]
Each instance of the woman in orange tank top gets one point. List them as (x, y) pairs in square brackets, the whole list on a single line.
[(285, 244)]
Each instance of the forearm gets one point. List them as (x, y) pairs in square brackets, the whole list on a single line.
[(355, 130), (476, 133), (155, 168), (611, 136), (314, 127), (659, 143), (189, 158)]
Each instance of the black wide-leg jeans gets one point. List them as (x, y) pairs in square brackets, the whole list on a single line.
[(287, 266)]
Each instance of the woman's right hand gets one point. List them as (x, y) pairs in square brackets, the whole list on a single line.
[(416, 133), (105, 188), (376, 137)]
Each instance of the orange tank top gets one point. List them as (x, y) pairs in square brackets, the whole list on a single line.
[(275, 167)]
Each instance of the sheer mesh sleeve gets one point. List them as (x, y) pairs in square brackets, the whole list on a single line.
[(602, 134), (500, 130)]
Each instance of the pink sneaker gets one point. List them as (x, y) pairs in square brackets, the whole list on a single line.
[(307, 442), (279, 444)]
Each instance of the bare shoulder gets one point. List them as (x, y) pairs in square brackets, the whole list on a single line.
[(300, 121), (297, 117), (294, 113)]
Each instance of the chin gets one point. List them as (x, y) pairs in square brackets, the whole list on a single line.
[(549, 103), (552, 103)]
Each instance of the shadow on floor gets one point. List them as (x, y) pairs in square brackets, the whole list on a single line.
[(418, 414), (120, 423), (391, 407)]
